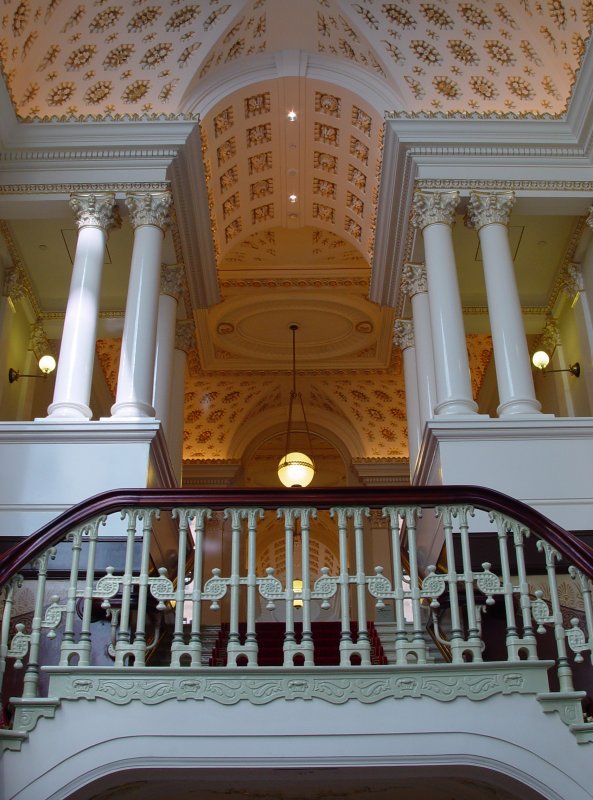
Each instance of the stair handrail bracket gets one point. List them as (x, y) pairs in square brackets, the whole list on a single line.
[(151, 596)]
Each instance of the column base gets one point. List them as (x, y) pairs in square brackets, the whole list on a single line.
[(522, 406), (455, 407), (131, 411), (67, 411)]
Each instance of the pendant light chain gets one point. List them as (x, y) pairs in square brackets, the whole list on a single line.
[(296, 469)]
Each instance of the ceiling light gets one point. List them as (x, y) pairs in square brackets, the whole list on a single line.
[(295, 469), (292, 198), (292, 116)]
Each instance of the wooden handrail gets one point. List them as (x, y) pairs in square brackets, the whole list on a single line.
[(570, 546)]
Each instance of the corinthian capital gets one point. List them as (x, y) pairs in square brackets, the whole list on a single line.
[(550, 338), (13, 283), (185, 336), (38, 341), (149, 208), (589, 219), (432, 207), (572, 279), (414, 279), (171, 281), (95, 210), (403, 333), (486, 208)]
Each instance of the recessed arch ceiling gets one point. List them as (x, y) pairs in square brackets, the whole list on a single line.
[(321, 169)]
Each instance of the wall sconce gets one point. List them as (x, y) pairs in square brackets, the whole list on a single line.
[(541, 360), (47, 364)]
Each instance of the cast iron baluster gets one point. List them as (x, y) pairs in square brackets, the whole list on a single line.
[(564, 670), (146, 516), (456, 640), (345, 634), (31, 679)]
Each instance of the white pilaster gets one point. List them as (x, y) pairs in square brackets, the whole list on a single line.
[(574, 286), (95, 214), (415, 285), (489, 214), (149, 214), (184, 342), (403, 337), (434, 214), (165, 343)]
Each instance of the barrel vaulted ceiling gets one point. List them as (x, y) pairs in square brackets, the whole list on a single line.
[(293, 204)]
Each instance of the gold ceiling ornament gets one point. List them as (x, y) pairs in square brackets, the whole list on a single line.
[(295, 470)]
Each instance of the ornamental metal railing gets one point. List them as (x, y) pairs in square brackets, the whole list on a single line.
[(136, 578)]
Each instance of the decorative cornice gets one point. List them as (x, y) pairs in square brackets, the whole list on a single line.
[(149, 208), (289, 283), (95, 210), (488, 208), (414, 279), (430, 208), (403, 333), (72, 188), (585, 187)]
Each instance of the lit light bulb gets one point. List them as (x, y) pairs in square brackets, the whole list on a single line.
[(47, 364), (292, 116), (540, 359), (292, 198), (296, 470)]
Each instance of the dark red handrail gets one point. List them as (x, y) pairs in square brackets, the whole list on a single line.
[(570, 546)]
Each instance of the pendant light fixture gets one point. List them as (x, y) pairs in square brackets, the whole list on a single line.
[(295, 470)]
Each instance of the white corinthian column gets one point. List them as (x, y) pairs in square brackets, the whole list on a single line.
[(433, 214), (489, 214), (415, 285), (403, 337), (95, 215), (149, 214)]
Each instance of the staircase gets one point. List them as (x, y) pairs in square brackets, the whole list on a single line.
[(270, 639)]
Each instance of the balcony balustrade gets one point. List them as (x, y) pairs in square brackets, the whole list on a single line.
[(153, 595)]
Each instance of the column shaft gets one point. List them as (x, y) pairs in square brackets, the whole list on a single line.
[(434, 215), (77, 351), (489, 213), (163, 368), (414, 284), (404, 339), (149, 214)]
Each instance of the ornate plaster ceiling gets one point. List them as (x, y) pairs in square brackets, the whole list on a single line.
[(68, 59), (224, 412)]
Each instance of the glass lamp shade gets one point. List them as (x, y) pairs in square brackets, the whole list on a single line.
[(297, 588), (540, 359), (296, 470), (47, 364)]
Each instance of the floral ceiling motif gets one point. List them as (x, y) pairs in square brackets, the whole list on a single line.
[(69, 59), (218, 406)]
